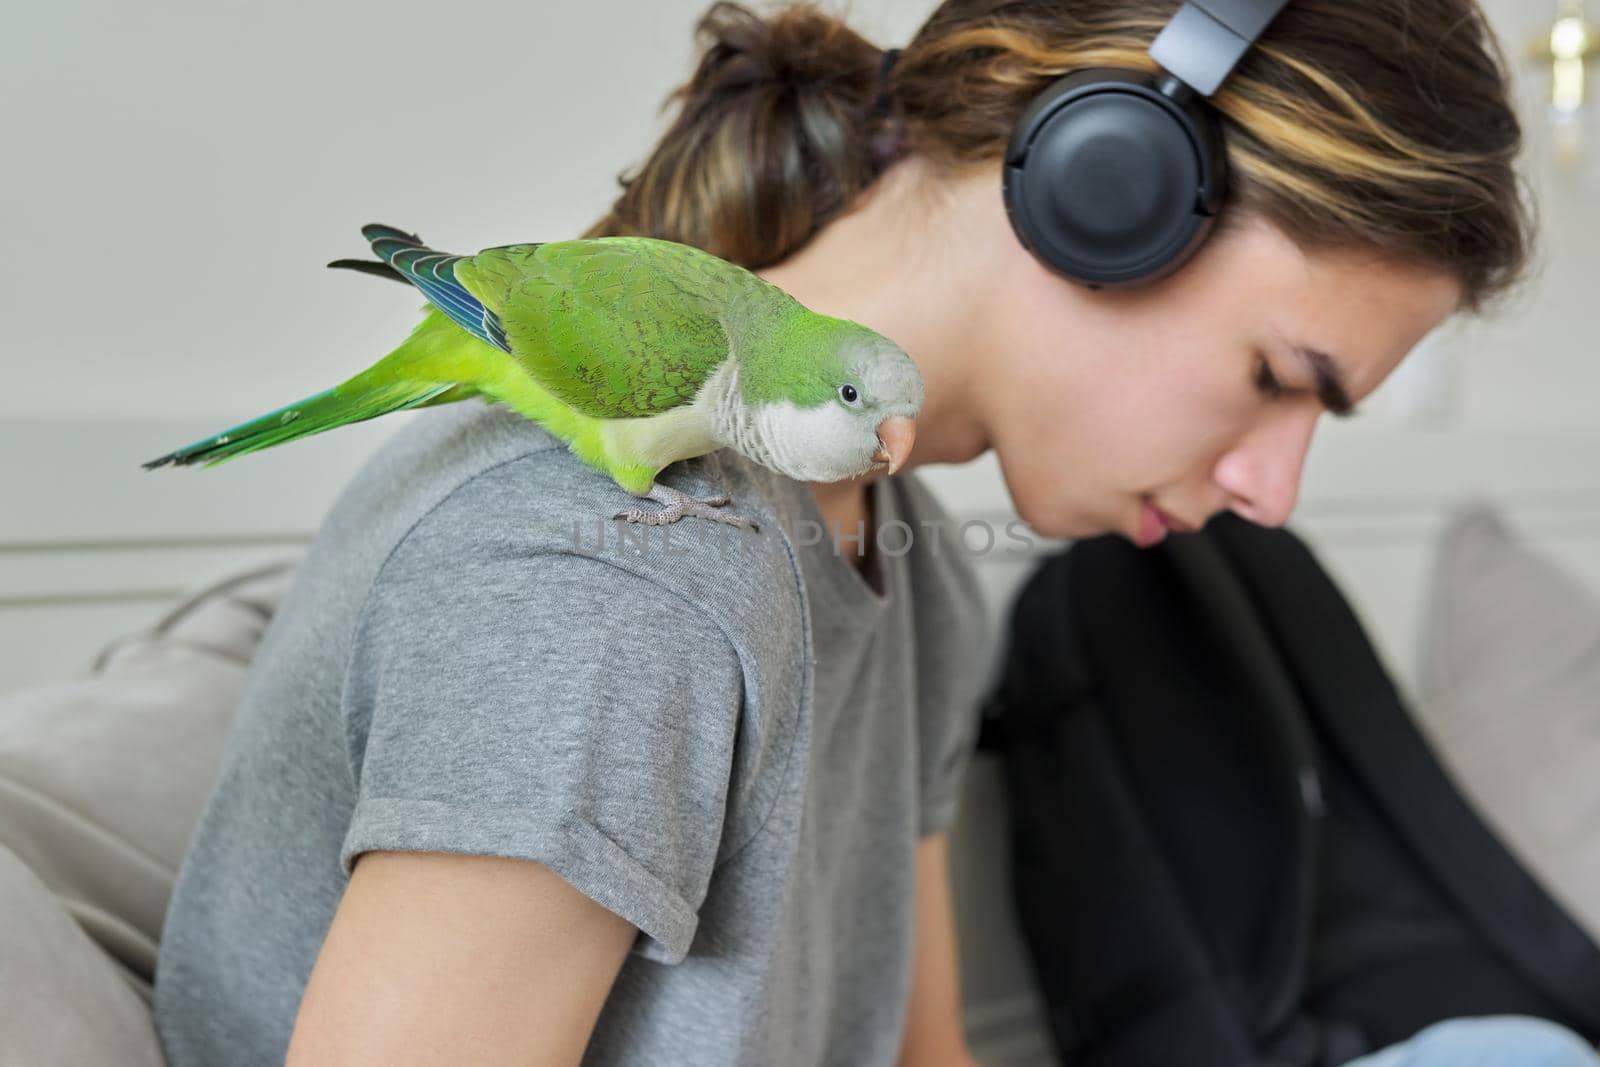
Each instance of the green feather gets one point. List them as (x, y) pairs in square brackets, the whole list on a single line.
[(615, 327)]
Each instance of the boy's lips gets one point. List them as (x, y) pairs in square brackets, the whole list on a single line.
[(1154, 524), (1152, 530)]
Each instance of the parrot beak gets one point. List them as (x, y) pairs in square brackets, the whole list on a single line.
[(895, 436)]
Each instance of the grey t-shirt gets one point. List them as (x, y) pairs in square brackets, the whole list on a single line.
[(731, 738)]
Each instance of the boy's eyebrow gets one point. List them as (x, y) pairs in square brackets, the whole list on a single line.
[(1330, 381)]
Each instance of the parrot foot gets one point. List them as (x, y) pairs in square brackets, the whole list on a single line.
[(678, 504)]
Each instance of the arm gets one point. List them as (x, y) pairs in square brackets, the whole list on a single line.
[(439, 957), (933, 1021)]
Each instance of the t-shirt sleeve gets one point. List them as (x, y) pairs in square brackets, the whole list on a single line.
[(548, 706), (953, 737)]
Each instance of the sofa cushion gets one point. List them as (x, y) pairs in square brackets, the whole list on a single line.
[(102, 778), (60, 1000), (1510, 697)]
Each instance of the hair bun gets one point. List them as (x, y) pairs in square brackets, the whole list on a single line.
[(799, 49), (777, 134)]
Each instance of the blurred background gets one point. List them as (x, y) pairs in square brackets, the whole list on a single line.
[(177, 173)]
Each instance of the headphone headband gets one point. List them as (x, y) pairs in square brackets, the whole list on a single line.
[(1206, 39)]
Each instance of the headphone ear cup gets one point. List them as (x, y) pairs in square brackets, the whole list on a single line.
[(1109, 181)]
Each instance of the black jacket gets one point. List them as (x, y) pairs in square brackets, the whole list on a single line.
[(1231, 844)]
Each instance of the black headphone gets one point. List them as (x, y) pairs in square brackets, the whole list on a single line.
[(1114, 176)]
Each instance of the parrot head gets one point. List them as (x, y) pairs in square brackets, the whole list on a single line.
[(825, 400)]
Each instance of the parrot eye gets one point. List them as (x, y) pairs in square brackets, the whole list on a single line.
[(848, 394)]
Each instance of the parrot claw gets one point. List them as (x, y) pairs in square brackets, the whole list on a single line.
[(678, 504)]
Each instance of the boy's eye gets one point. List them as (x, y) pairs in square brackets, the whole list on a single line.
[(1266, 381)]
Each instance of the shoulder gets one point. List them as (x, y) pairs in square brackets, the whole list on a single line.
[(527, 508), (521, 567)]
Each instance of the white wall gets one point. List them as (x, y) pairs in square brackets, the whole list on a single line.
[(176, 174)]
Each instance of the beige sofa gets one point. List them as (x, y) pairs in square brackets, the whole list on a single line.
[(102, 779)]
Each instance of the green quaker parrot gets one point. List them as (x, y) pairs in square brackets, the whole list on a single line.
[(637, 352)]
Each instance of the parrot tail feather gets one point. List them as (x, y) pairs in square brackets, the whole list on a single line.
[(343, 404), (371, 266)]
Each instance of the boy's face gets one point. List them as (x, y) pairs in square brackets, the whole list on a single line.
[(1099, 403)]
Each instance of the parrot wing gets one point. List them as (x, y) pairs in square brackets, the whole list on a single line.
[(616, 327), (434, 273)]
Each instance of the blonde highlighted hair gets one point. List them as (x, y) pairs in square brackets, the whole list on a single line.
[(1384, 127)]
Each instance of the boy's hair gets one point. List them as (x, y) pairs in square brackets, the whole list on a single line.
[(1385, 127)]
